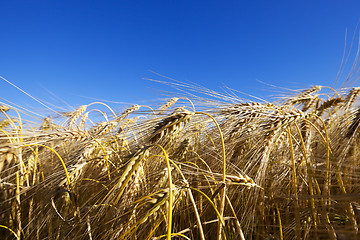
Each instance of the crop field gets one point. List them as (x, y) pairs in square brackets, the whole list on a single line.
[(189, 168)]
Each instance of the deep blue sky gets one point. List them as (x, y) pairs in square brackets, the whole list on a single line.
[(104, 49)]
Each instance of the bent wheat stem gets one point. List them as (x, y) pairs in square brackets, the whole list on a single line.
[(57, 154), (223, 192)]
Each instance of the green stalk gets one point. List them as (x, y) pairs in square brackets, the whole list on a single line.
[(202, 236), (170, 192), (279, 219)]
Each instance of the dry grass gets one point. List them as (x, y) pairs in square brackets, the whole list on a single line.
[(240, 170)]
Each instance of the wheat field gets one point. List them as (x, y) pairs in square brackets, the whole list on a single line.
[(189, 168)]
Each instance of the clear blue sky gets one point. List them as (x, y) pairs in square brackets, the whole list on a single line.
[(104, 49)]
